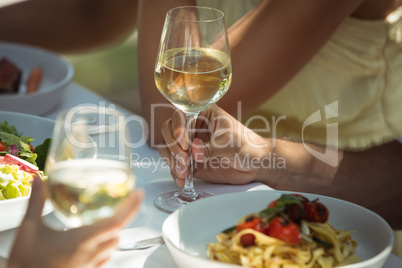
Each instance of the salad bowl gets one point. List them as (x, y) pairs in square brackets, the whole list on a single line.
[(13, 210)]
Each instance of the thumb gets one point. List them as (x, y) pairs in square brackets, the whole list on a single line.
[(36, 201)]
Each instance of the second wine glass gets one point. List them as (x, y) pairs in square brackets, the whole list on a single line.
[(193, 71), (88, 165)]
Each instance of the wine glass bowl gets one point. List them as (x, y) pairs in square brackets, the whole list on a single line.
[(88, 165), (193, 71)]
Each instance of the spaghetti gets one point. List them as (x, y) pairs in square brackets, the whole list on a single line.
[(285, 235)]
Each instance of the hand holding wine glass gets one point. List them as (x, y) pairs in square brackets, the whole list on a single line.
[(193, 71), (88, 165), (38, 245)]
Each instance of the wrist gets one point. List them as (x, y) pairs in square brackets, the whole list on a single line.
[(261, 155)]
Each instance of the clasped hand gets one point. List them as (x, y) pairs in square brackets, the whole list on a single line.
[(223, 149)]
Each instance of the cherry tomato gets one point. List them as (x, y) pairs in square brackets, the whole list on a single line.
[(252, 224), (262, 227), (247, 240), (284, 230), (316, 212), (295, 213), (3, 147)]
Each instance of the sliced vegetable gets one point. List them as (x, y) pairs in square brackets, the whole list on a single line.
[(252, 224), (322, 242), (34, 80), (23, 165)]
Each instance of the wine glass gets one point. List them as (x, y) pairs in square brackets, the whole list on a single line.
[(193, 71), (88, 165)]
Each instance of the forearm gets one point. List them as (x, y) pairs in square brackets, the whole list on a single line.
[(150, 24), (273, 42), (371, 178), (269, 45), (67, 26)]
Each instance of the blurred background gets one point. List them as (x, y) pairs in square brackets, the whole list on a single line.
[(111, 72)]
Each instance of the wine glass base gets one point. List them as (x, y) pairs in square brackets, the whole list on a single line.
[(170, 201)]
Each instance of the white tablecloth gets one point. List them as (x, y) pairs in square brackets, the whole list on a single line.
[(153, 176)]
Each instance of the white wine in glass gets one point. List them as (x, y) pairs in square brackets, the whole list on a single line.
[(88, 165), (193, 70)]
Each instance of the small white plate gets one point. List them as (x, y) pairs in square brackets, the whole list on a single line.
[(139, 258), (13, 210), (57, 74)]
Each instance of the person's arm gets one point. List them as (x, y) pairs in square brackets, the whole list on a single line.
[(273, 42), (228, 152), (67, 26), (150, 24), (269, 45), (370, 178)]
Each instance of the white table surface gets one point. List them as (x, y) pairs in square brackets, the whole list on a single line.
[(154, 177)]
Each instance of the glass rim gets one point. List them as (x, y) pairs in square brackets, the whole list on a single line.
[(222, 15), (91, 109)]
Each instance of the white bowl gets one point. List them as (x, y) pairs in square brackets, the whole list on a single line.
[(13, 210), (189, 230), (57, 74)]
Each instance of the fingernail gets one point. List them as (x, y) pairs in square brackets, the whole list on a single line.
[(181, 159), (179, 169), (182, 144)]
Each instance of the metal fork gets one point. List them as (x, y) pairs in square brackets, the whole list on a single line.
[(142, 244)]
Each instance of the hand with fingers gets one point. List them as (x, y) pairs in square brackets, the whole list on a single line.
[(224, 150), (37, 245)]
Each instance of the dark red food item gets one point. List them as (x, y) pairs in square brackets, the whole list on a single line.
[(295, 213), (316, 212), (284, 230), (247, 240), (3, 147), (10, 77)]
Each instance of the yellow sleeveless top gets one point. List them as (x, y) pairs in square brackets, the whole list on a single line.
[(348, 95), (351, 90)]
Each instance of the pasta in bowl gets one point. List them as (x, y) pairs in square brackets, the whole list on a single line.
[(191, 233), (292, 230)]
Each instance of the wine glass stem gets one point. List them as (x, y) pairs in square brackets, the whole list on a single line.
[(188, 191)]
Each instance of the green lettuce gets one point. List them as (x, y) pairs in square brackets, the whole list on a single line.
[(9, 136)]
